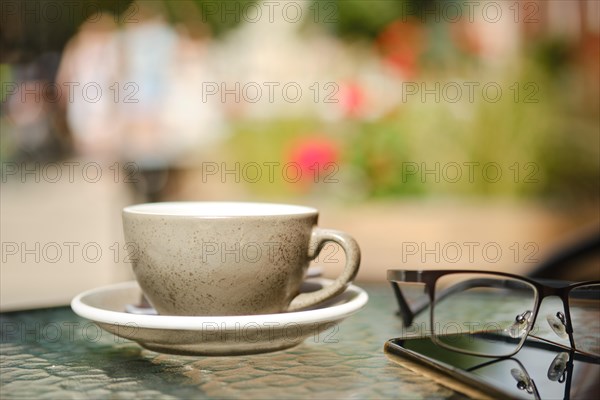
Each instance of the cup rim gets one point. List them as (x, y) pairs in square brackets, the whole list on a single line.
[(219, 209)]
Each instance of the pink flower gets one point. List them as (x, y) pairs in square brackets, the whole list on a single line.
[(352, 99)]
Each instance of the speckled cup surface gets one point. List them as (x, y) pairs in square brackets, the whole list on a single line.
[(226, 258)]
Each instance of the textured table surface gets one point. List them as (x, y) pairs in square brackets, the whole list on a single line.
[(53, 353)]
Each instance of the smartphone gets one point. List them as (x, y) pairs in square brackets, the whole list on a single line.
[(538, 371)]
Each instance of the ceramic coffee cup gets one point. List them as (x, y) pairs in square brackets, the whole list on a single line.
[(222, 258)]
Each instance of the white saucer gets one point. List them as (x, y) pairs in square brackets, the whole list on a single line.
[(227, 335)]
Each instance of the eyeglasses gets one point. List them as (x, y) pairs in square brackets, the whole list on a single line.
[(490, 314)]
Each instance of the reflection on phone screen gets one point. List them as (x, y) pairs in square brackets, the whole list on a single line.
[(537, 371)]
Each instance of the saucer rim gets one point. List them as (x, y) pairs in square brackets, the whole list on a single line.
[(316, 315)]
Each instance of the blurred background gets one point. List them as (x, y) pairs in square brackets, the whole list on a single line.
[(446, 134)]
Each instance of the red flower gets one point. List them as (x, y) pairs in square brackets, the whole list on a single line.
[(401, 43), (310, 159)]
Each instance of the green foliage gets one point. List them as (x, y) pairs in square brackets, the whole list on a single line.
[(220, 16), (367, 18)]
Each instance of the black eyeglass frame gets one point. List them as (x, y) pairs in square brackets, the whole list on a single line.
[(543, 289)]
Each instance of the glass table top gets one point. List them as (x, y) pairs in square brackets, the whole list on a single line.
[(53, 353)]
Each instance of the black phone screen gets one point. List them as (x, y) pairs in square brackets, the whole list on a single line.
[(537, 371)]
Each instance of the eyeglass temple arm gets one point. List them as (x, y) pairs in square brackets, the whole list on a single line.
[(405, 311), (408, 313)]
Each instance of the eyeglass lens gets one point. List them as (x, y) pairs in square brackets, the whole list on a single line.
[(495, 312), (584, 306)]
